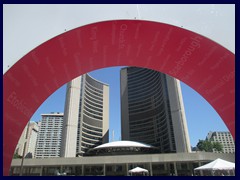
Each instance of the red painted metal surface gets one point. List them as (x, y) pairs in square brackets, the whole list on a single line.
[(199, 62)]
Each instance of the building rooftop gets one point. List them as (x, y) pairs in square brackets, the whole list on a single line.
[(53, 114), (123, 144), (121, 148)]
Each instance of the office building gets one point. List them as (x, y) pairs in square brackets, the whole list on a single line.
[(86, 116), (152, 110), (177, 164), (29, 136), (224, 138), (49, 136)]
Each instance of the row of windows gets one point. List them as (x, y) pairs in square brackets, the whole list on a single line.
[(139, 73), (145, 101), (56, 148), (91, 132), (52, 121), (91, 137), (98, 97), (92, 111), (50, 129), (86, 145), (147, 119), (233, 149), (92, 115), (49, 138), (43, 142), (52, 118), (94, 91), (142, 129), (150, 113), (142, 109), (56, 134), (149, 82), (142, 138), (47, 152), (95, 101), (46, 128), (96, 86), (50, 135), (89, 141), (156, 92), (143, 124), (223, 133), (225, 142), (92, 128), (93, 107), (160, 117), (48, 146), (145, 94), (46, 155), (51, 124), (148, 91), (141, 86), (49, 143)]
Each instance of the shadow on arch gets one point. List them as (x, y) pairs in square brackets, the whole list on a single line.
[(199, 62)]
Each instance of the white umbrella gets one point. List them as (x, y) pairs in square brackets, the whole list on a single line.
[(217, 164), (138, 169)]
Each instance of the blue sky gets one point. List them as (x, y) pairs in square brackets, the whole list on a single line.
[(201, 117)]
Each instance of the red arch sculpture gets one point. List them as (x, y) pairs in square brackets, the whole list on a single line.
[(199, 62)]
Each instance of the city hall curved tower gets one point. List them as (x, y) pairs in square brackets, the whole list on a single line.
[(86, 116), (152, 110)]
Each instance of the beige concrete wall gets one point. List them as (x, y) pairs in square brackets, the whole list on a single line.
[(144, 158), (70, 122), (106, 113), (178, 116)]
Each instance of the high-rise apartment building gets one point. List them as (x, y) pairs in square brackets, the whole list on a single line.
[(224, 138), (29, 135), (86, 116), (49, 136), (152, 110)]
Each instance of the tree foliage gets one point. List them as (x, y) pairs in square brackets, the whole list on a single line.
[(205, 146), (218, 146), (16, 156), (209, 146)]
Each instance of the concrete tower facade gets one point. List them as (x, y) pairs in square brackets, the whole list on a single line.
[(152, 110), (86, 116)]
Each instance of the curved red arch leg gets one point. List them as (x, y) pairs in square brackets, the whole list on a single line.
[(199, 62)]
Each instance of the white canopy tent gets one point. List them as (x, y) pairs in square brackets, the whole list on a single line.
[(218, 167), (138, 171)]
